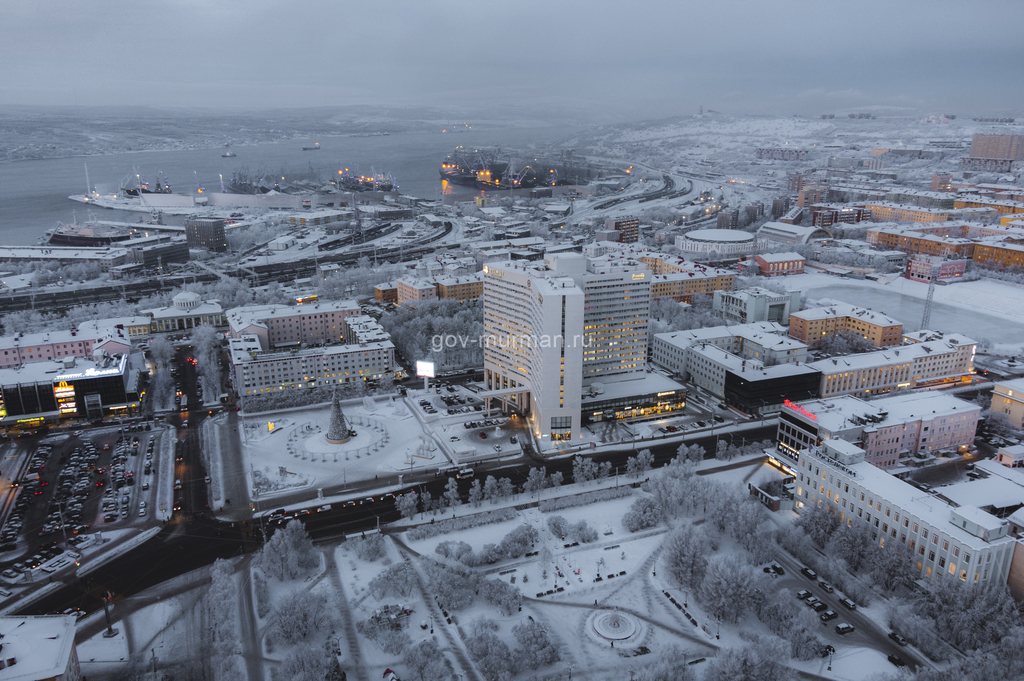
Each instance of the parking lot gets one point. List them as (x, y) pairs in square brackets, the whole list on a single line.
[(69, 484)]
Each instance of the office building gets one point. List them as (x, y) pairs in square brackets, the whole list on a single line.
[(39, 648), (278, 326), (1008, 399), (206, 233), (764, 342), (810, 326), (257, 371), (779, 264), (755, 305), (558, 326), (944, 540), (888, 429), (949, 359)]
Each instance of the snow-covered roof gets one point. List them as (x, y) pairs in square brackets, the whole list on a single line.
[(48, 371), (840, 310), (788, 256), (40, 645), (240, 318), (649, 383)]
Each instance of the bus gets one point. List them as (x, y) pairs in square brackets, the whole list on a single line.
[(184, 403)]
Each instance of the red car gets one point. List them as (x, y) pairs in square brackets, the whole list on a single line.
[(483, 436)]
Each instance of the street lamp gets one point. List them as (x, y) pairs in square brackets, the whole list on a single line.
[(568, 668), (830, 660), (718, 631)]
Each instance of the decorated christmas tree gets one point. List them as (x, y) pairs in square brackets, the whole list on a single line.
[(338, 431)]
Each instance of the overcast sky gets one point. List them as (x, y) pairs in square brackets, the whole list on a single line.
[(660, 57)]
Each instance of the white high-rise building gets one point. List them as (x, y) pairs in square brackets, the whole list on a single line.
[(556, 326)]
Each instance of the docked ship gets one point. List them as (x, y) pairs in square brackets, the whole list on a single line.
[(374, 182), (134, 185), (229, 154), (315, 147), (491, 169), (85, 234)]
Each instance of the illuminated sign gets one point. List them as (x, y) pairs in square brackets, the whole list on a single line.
[(638, 277), (798, 408), (670, 392), (38, 419), (425, 369), (65, 395)]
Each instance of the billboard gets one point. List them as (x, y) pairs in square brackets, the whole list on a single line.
[(425, 369)]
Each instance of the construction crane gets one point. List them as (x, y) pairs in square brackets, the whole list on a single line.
[(926, 318)]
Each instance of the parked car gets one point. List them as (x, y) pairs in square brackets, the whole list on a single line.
[(899, 640), (828, 615), (826, 587), (803, 594), (896, 660), (847, 603), (809, 573)]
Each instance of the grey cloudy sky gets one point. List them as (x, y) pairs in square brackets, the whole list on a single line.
[(653, 58)]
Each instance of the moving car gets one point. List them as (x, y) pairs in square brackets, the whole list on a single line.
[(899, 640), (844, 628)]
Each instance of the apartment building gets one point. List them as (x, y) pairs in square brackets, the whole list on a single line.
[(810, 326), (415, 291), (887, 429), (681, 279), (1000, 253), (628, 227), (945, 540), (1008, 398)]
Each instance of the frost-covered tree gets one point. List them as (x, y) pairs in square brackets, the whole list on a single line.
[(398, 579), (757, 661), (819, 524), (694, 453), (559, 526), (505, 489), (727, 590), (639, 464), (501, 594), (643, 513), (584, 469), (407, 504), (684, 556), (371, 548), (300, 614), (534, 481), (476, 493), (670, 664), (492, 656), (535, 648), (289, 553), (518, 541), (425, 662), (303, 663), (451, 493), (491, 489)]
